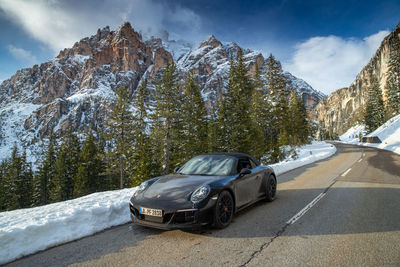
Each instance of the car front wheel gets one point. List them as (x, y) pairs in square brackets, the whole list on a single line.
[(223, 211), (270, 193)]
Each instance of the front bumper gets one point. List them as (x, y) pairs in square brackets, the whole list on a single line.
[(180, 219)]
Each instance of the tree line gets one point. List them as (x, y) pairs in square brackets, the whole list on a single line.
[(151, 132)]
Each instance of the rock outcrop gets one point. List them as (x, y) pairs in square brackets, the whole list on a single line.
[(343, 108)]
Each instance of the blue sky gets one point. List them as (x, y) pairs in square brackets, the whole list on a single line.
[(324, 42)]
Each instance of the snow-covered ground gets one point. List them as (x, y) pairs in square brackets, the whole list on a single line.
[(305, 155), (353, 134), (388, 133), (26, 231)]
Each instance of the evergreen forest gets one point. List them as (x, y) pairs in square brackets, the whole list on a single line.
[(151, 132)]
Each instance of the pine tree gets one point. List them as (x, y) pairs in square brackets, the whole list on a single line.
[(299, 129), (212, 130), (120, 132), (278, 96), (222, 129), (167, 119), (3, 185), (66, 168), (194, 139), (45, 175), (25, 183), (261, 117), (277, 91), (16, 184), (108, 175), (87, 179), (58, 190), (142, 162), (374, 114), (305, 126), (235, 126), (393, 81)]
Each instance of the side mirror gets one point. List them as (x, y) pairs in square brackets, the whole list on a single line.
[(176, 169), (245, 171)]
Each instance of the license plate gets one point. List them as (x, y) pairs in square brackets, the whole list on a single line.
[(151, 212)]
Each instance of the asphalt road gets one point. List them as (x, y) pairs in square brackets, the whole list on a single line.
[(344, 211)]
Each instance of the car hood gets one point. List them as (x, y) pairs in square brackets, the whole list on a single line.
[(176, 186)]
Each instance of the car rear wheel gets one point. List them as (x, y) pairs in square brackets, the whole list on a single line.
[(223, 211), (270, 190)]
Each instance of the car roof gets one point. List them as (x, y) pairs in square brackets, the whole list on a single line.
[(234, 154)]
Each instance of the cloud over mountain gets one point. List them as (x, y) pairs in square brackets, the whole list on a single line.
[(332, 62), (22, 55), (58, 24)]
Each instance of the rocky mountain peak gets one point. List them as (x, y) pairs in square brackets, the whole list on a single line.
[(102, 33), (77, 88), (126, 32), (210, 41)]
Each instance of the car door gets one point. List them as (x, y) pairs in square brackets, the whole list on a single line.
[(246, 185), (258, 172)]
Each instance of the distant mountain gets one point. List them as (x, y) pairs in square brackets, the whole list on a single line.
[(343, 108), (76, 89)]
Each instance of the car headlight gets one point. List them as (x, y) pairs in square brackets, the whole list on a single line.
[(200, 193), (141, 188)]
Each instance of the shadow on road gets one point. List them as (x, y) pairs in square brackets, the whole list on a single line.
[(386, 161)]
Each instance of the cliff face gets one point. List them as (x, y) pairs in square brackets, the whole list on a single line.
[(344, 107), (77, 88)]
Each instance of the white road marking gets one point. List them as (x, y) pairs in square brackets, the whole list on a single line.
[(359, 160), (364, 155), (346, 172), (305, 209)]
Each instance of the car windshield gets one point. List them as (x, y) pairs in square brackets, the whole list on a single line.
[(208, 165)]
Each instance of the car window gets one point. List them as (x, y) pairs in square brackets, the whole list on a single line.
[(253, 164), (243, 163), (208, 165)]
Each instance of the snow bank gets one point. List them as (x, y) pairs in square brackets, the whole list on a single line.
[(26, 231), (388, 133), (353, 134), (305, 155)]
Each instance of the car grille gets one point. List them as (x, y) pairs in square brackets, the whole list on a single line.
[(184, 217), (171, 218)]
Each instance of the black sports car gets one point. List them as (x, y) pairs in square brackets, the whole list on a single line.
[(207, 189)]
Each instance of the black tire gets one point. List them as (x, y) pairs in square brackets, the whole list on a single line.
[(223, 211), (270, 189)]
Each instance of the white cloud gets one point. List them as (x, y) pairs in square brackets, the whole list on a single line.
[(59, 24), (22, 55), (329, 63)]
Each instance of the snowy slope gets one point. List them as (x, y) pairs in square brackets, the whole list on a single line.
[(26, 231), (352, 134), (388, 133)]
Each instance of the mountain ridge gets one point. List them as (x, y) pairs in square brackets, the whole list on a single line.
[(76, 88)]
